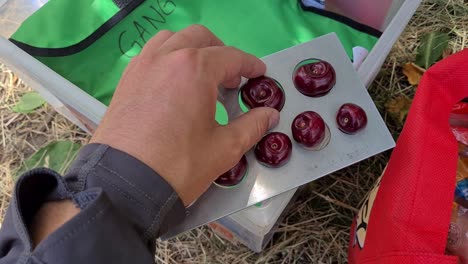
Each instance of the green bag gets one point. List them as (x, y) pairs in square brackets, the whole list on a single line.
[(90, 42)]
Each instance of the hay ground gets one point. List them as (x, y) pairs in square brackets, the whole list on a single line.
[(316, 228)]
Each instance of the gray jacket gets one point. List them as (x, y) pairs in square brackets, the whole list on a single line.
[(125, 206)]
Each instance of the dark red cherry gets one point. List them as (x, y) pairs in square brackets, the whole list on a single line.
[(314, 79), (263, 91), (274, 150), (309, 130), (351, 118), (233, 176)]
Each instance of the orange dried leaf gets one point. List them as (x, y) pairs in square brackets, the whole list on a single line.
[(413, 72), (398, 107)]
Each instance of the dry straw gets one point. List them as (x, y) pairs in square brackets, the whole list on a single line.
[(316, 229)]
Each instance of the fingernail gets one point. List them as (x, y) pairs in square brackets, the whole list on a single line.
[(273, 119)]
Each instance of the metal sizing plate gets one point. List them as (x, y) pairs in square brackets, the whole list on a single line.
[(14, 12), (305, 166)]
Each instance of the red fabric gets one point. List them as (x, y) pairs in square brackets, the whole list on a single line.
[(460, 108), (410, 217)]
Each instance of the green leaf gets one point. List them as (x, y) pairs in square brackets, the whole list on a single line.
[(28, 102), (57, 155), (431, 49)]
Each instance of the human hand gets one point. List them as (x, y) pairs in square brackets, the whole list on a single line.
[(163, 110)]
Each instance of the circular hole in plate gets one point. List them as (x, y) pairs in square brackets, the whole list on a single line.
[(305, 62), (351, 118), (241, 168), (221, 115), (325, 141), (304, 123), (242, 106), (245, 108), (315, 82), (234, 186)]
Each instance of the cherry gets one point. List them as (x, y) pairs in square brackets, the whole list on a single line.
[(274, 150), (309, 130), (351, 118), (314, 79), (263, 92), (233, 176)]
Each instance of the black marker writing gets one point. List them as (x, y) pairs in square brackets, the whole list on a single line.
[(132, 40)]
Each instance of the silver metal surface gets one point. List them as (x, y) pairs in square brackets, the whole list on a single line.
[(14, 12), (305, 166), (2, 2)]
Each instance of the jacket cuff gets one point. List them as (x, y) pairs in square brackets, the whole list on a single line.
[(97, 234), (134, 189)]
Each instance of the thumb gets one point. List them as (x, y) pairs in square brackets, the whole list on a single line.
[(245, 131)]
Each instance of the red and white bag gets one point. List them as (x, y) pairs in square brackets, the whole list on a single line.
[(406, 218)]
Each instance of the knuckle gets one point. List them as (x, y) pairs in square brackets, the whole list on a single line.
[(259, 131), (239, 143), (238, 148), (246, 141), (262, 122), (250, 70), (235, 52), (198, 27), (164, 32), (252, 67), (186, 57)]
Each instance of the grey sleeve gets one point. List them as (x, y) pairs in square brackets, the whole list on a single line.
[(125, 206)]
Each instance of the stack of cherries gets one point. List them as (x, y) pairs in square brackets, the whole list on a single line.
[(313, 78)]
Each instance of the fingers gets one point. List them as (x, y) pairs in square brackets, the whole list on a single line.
[(228, 64), (195, 36), (245, 131), (225, 64), (156, 42), (233, 83)]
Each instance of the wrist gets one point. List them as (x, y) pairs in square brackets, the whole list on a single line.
[(135, 189), (178, 177), (49, 217)]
